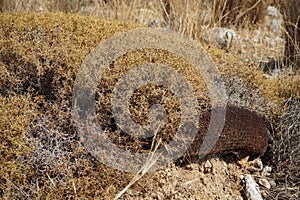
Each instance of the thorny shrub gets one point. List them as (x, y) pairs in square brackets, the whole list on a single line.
[(39, 57)]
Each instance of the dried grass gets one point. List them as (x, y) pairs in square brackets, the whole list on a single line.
[(291, 11), (238, 13)]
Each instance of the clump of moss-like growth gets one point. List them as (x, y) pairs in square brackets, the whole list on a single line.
[(40, 55), (16, 114), (44, 51)]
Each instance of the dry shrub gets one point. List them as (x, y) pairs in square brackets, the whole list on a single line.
[(282, 88), (145, 96), (39, 57), (286, 157), (273, 90), (241, 12), (40, 54), (16, 113), (56, 58), (286, 144)]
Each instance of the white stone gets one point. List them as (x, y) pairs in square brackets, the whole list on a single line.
[(266, 171), (255, 165), (273, 11), (272, 183), (274, 26), (252, 189), (265, 183), (207, 167), (221, 37), (225, 37)]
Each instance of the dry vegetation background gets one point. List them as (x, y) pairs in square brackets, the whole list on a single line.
[(41, 154)]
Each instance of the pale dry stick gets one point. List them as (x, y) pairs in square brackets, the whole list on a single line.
[(129, 10), (16, 5), (191, 181), (37, 185), (181, 25), (190, 26), (51, 180), (149, 163), (74, 188), (165, 11)]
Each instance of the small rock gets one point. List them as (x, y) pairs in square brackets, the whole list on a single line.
[(266, 171), (252, 189), (243, 161), (221, 37), (272, 183), (274, 26), (207, 167), (264, 193), (225, 37), (273, 11), (153, 23), (238, 198), (192, 167), (246, 60), (242, 177), (255, 165), (265, 183)]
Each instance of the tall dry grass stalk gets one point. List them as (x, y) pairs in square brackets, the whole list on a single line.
[(188, 17), (185, 16), (238, 12), (291, 11)]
